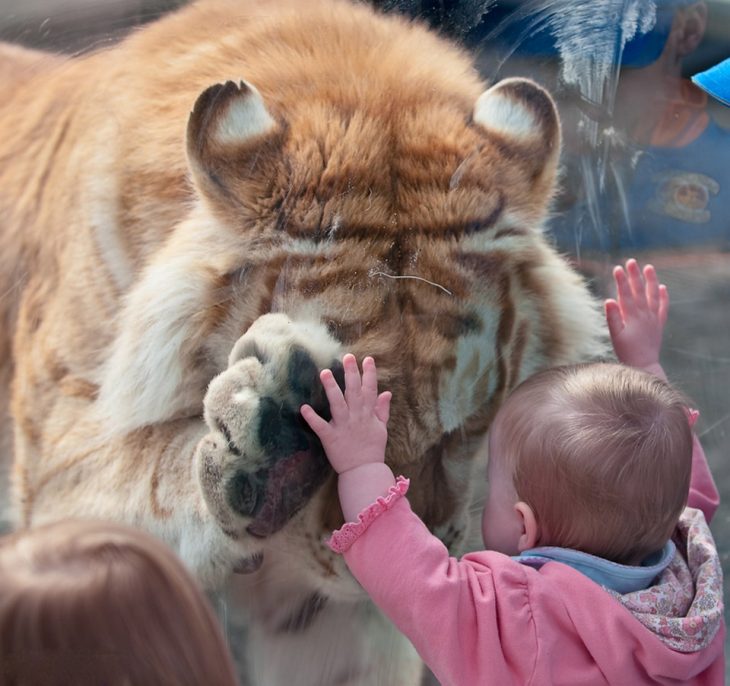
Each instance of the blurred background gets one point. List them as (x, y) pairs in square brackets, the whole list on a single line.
[(646, 159)]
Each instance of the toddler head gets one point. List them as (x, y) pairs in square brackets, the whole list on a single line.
[(84, 602), (593, 457)]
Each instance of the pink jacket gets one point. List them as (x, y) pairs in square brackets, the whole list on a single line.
[(488, 619)]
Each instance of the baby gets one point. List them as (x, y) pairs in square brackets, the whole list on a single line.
[(600, 567)]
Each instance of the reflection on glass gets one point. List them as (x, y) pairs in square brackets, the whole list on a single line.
[(646, 167), (646, 154)]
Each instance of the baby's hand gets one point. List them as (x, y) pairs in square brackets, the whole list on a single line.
[(636, 318), (358, 432)]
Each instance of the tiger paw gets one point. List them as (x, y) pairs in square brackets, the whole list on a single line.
[(260, 463)]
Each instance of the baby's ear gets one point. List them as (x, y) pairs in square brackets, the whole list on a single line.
[(521, 117), (530, 535), (232, 140)]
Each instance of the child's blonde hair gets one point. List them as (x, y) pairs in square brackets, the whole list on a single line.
[(602, 453), (88, 603)]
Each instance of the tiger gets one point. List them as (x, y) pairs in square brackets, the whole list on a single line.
[(197, 220)]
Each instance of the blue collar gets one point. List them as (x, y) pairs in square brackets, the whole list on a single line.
[(617, 577)]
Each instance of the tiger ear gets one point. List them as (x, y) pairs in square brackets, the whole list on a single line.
[(521, 117), (231, 138)]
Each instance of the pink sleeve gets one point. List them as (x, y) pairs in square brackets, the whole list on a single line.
[(463, 629), (702, 490)]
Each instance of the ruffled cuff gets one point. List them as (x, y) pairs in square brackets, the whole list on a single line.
[(345, 536)]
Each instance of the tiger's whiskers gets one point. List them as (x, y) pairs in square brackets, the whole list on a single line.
[(374, 272)]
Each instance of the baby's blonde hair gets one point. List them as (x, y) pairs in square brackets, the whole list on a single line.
[(602, 453)]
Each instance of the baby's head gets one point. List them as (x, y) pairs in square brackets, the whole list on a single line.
[(593, 457)]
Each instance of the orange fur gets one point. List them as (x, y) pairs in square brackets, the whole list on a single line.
[(372, 199)]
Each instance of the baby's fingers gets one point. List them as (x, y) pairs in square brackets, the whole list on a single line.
[(338, 407), (652, 287), (663, 303), (316, 423), (382, 406), (352, 378), (614, 318), (624, 296), (636, 281), (369, 381)]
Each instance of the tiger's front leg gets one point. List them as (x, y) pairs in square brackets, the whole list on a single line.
[(260, 464)]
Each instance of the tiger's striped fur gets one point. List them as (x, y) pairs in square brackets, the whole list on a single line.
[(350, 173)]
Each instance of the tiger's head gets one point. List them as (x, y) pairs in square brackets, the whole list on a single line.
[(363, 177)]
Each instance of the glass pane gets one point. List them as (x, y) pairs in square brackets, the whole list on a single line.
[(645, 159)]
